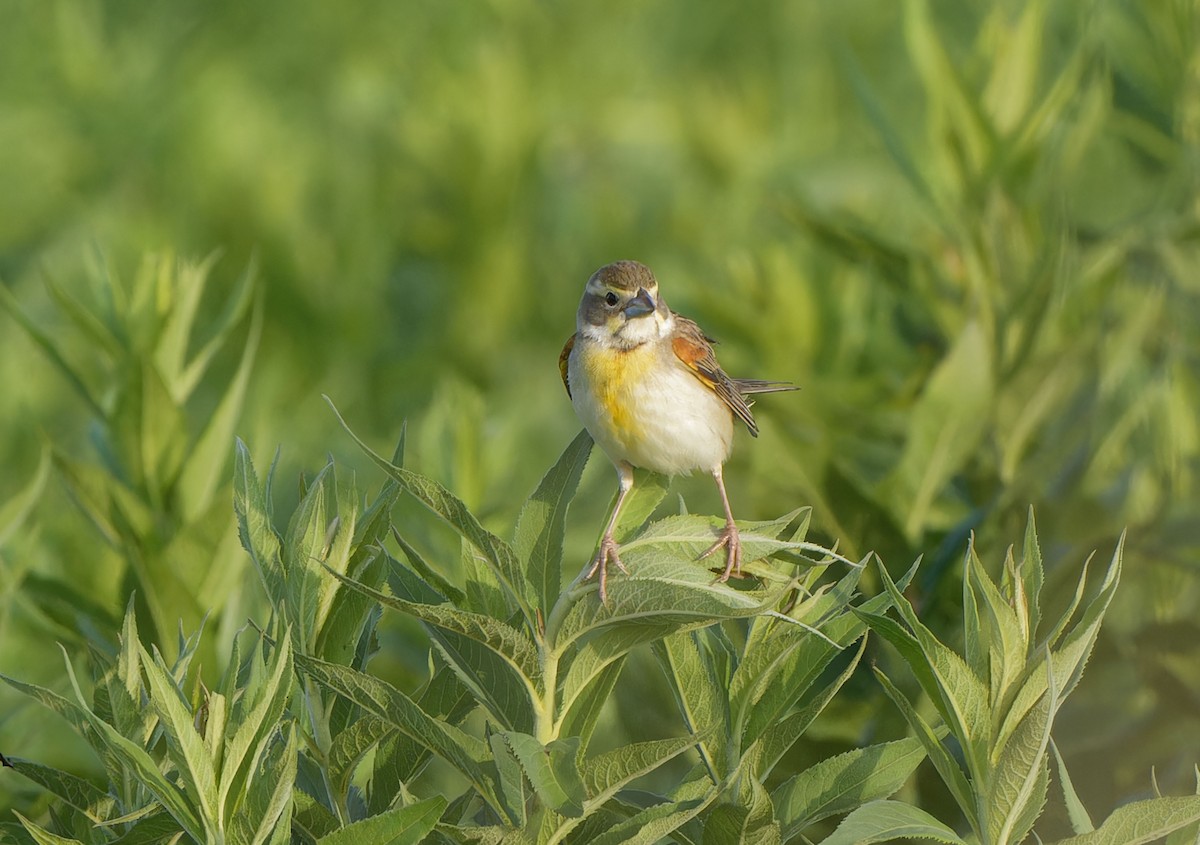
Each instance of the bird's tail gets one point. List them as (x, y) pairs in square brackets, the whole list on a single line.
[(747, 386)]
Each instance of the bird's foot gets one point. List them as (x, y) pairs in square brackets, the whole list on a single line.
[(729, 540), (607, 552)]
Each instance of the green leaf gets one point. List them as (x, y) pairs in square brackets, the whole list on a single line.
[(1031, 576), (784, 681), (266, 806), (254, 525), (386, 702), (1081, 822), (1022, 760), (510, 644), (501, 691), (14, 512), (235, 309), (947, 767), (690, 536), (649, 489), (955, 690), (666, 588), (72, 789), (512, 777), (9, 303), (1142, 821), (1001, 632), (136, 763), (552, 770), (303, 542), (580, 712), (944, 429), (778, 651), (350, 746), (653, 823), (774, 743), (749, 821), (606, 773), (85, 318), (184, 744), (258, 714), (700, 693), (883, 821), (42, 836), (1069, 658), (205, 467), (505, 564), (539, 535), (841, 783), (1015, 71), (955, 106), (404, 826), (400, 758)]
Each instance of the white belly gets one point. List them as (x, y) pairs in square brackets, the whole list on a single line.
[(667, 420)]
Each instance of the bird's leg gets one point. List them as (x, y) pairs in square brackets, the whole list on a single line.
[(608, 545), (728, 538)]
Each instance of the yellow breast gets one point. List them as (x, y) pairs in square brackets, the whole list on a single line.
[(612, 377)]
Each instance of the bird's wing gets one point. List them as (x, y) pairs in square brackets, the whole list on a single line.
[(695, 350), (562, 363)]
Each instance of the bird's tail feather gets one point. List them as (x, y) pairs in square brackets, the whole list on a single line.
[(747, 386)]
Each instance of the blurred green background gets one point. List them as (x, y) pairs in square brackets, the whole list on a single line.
[(969, 230)]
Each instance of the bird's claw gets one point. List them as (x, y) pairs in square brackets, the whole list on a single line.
[(729, 540), (608, 551)]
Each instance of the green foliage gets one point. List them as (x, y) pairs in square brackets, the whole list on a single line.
[(998, 703), (967, 230), (300, 742), (217, 766), (156, 492)]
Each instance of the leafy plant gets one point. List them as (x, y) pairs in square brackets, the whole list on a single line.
[(217, 766), (300, 742), (997, 703), (156, 494), (535, 658)]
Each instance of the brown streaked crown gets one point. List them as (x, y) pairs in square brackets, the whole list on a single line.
[(625, 276)]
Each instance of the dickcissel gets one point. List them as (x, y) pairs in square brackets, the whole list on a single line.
[(647, 387)]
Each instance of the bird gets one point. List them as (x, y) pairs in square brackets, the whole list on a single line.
[(646, 385)]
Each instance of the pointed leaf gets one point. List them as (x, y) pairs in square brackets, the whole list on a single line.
[(512, 777), (206, 464), (9, 303), (884, 821), (404, 826), (700, 694), (553, 771), (500, 557), (259, 712), (539, 536), (841, 783), (186, 747), (1022, 759), (1142, 821), (947, 767), (42, 836), (72, 789), (511, 645), (1081, 822), (773, 744), (385, 701)]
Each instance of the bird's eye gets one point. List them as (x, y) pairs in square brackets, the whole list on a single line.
[(610, 298)]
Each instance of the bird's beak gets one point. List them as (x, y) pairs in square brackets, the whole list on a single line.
[(640, 305)]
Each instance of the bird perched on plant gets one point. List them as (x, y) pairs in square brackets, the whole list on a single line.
[(647, 387)]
